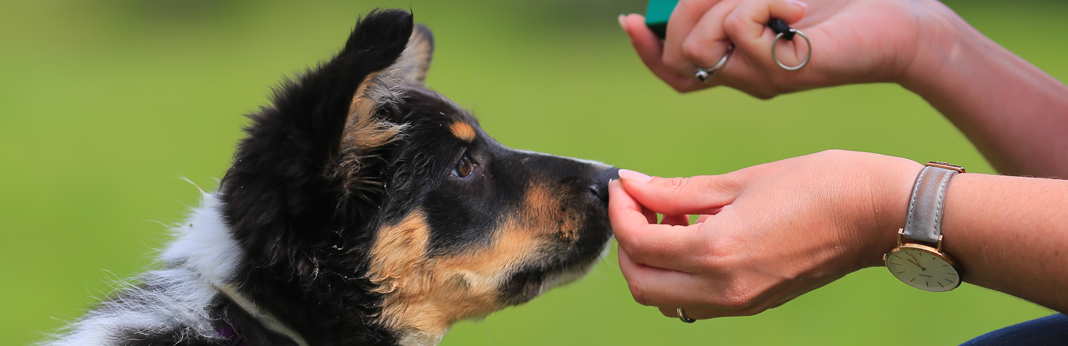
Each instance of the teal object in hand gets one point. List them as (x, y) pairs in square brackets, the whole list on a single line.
[(657, 14)]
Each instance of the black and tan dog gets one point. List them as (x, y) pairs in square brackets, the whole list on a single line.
[(363, 209)]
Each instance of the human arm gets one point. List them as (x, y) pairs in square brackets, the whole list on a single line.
[(1010, 234), (1013, 112), (778, 230)]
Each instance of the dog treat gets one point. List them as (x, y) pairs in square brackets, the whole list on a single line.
[(657, 14)]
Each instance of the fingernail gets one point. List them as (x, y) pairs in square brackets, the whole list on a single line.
[(621, 17), (634, 175), (798, 3)]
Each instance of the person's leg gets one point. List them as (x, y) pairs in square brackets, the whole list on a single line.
[(1049, 330)]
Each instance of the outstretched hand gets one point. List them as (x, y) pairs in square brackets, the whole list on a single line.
[(766, 234)]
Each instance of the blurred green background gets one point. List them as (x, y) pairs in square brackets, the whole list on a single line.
[(106, 105)]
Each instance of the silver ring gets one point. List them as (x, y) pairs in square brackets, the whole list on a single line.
[(703, 74), (682, 316), (803, 63)]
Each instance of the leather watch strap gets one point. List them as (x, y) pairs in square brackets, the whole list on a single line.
[(924, 222)]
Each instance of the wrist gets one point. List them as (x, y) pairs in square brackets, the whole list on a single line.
[(946, 46), (891, 187)]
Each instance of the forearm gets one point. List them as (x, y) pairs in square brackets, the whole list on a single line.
[(1014, 113), (1010, 234)]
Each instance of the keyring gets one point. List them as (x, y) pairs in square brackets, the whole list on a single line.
[(703, 74), (785, 31)]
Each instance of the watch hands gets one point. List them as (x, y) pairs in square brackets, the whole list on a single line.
[(915, 261)]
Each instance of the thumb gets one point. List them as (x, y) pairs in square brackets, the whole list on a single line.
[(677, 196)]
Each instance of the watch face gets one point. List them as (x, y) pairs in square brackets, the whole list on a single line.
[(923, 268)]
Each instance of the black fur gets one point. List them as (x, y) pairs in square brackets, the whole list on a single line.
[(289, 212), (306, 236), (307, 239)]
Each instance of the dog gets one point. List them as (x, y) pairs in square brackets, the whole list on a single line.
[(362, 209)]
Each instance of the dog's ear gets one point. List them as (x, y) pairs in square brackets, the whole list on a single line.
[(413, 63), (289, 175), (368, 128)]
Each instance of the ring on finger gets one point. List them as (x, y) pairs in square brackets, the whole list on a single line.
[(704, 74), (682, 316)]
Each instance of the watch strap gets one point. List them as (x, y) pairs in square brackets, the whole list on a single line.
[(924, 222)]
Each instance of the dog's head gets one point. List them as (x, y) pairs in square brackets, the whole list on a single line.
[(369, 206)]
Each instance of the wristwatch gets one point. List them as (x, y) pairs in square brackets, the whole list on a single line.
[(918, 259)]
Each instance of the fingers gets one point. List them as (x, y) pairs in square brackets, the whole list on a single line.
[(686, 15), (680, 196), (669, 290), (676, 220), (701, 313), (706, 43), (725, 304), (648, 243), (650, 49), (658, 287), (746, 26), (699, 34)]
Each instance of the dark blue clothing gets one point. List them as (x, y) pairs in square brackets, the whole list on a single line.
[(1049, 330)]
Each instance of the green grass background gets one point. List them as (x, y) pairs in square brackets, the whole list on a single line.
[(106, 105)]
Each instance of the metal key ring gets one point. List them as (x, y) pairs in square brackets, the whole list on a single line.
[(703, 74), (803, 63)]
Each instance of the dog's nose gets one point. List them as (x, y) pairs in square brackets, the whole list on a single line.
[(600, 183)]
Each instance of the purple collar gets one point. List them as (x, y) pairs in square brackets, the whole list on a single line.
[(233, 339)]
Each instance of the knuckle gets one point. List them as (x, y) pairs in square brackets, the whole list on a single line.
[(689, 5), (678, 184), (622, 230), (739, 299), (630, 248), (734, 25), (693, 50), (637, 291), (674, 61), (756, 308), (732, 181), (718, 255)]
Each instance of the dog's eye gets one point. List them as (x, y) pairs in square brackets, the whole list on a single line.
[(463, 167)]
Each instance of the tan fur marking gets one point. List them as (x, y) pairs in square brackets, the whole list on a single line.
[(427, 295), (463, 131), (363, 130), (430, 294), (544, 209)]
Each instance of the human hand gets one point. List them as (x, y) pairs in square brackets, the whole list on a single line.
[(767, 233), (852, 42)]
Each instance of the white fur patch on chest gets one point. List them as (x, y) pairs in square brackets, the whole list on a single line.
[(174, 299)]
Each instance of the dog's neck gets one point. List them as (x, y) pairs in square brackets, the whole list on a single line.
[(204, 245), (265, 318)]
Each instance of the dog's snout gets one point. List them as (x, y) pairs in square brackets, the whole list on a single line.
[(600, 183)]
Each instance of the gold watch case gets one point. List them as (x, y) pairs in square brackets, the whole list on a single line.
[(922, 266)]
